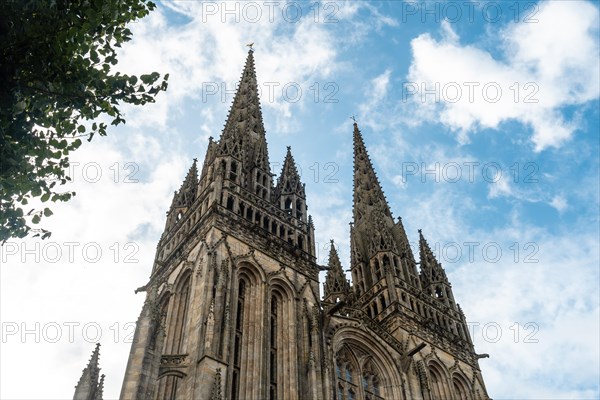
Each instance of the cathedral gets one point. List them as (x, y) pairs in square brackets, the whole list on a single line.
[(233, 308)]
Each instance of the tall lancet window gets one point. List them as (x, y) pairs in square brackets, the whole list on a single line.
[(371, 382), (358, 377), (461, 388), (181, 316), (437, 383), (237, 345), (175, 338), (346, 374), (273, 350)]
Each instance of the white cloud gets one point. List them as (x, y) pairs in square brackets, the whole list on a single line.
[(102, 246), (376, 91), (547, 65), (559, 202), (500, 186), (541, 292), (299, 53)]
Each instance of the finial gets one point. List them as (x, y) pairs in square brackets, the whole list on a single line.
[(250, 45), (195, 160), (353, 118), (289, 148)]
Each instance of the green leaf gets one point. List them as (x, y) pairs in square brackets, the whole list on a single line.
[(69, 55), (47, 212)]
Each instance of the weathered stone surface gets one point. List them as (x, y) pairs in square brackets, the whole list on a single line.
[(233, 309)]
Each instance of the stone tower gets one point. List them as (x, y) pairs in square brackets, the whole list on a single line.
[(233, 309)]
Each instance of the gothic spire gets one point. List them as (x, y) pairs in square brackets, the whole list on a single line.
[(289, 180), (100, 391), (373, 224), (433, 277), (88, 387), (369, 200), (426, 255), (336, 284), (244, 133), (186, 194)]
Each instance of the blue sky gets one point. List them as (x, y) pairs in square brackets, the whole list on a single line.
[(482, 121)]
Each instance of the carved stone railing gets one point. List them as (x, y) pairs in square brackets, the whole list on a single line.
[(173, 361)]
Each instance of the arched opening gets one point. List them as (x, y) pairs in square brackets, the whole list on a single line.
[(287, 205), (371, 381), (346, 368), (237, 340), (273, 350), (247, 336), (299, 209), (377, 269), (355, 381), (175, 335), (437, 382), (233, 171), (282, 346), (178, 318), (167, 386), (386, 262), (460, 387)]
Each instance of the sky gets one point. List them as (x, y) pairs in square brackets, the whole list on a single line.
[(481, 119)]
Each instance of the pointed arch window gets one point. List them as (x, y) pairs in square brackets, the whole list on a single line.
[(288, 205), (299, 209), (437, 383), (237, 345), (345, 370), (371, 381), (460, 387), (233, 171), (175, 336), (377, 269), (354, 382), (273, 350)]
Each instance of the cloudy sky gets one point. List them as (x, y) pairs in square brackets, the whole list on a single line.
[(481, 118)]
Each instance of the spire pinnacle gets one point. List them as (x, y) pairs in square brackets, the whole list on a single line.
[(243, 136), (431, 269), (425, 252), (289, 180), (433, 277), (336, 284), (186, 194), (369, 200), (89, 387)]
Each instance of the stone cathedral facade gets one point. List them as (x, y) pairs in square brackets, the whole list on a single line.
[(233, 309)]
